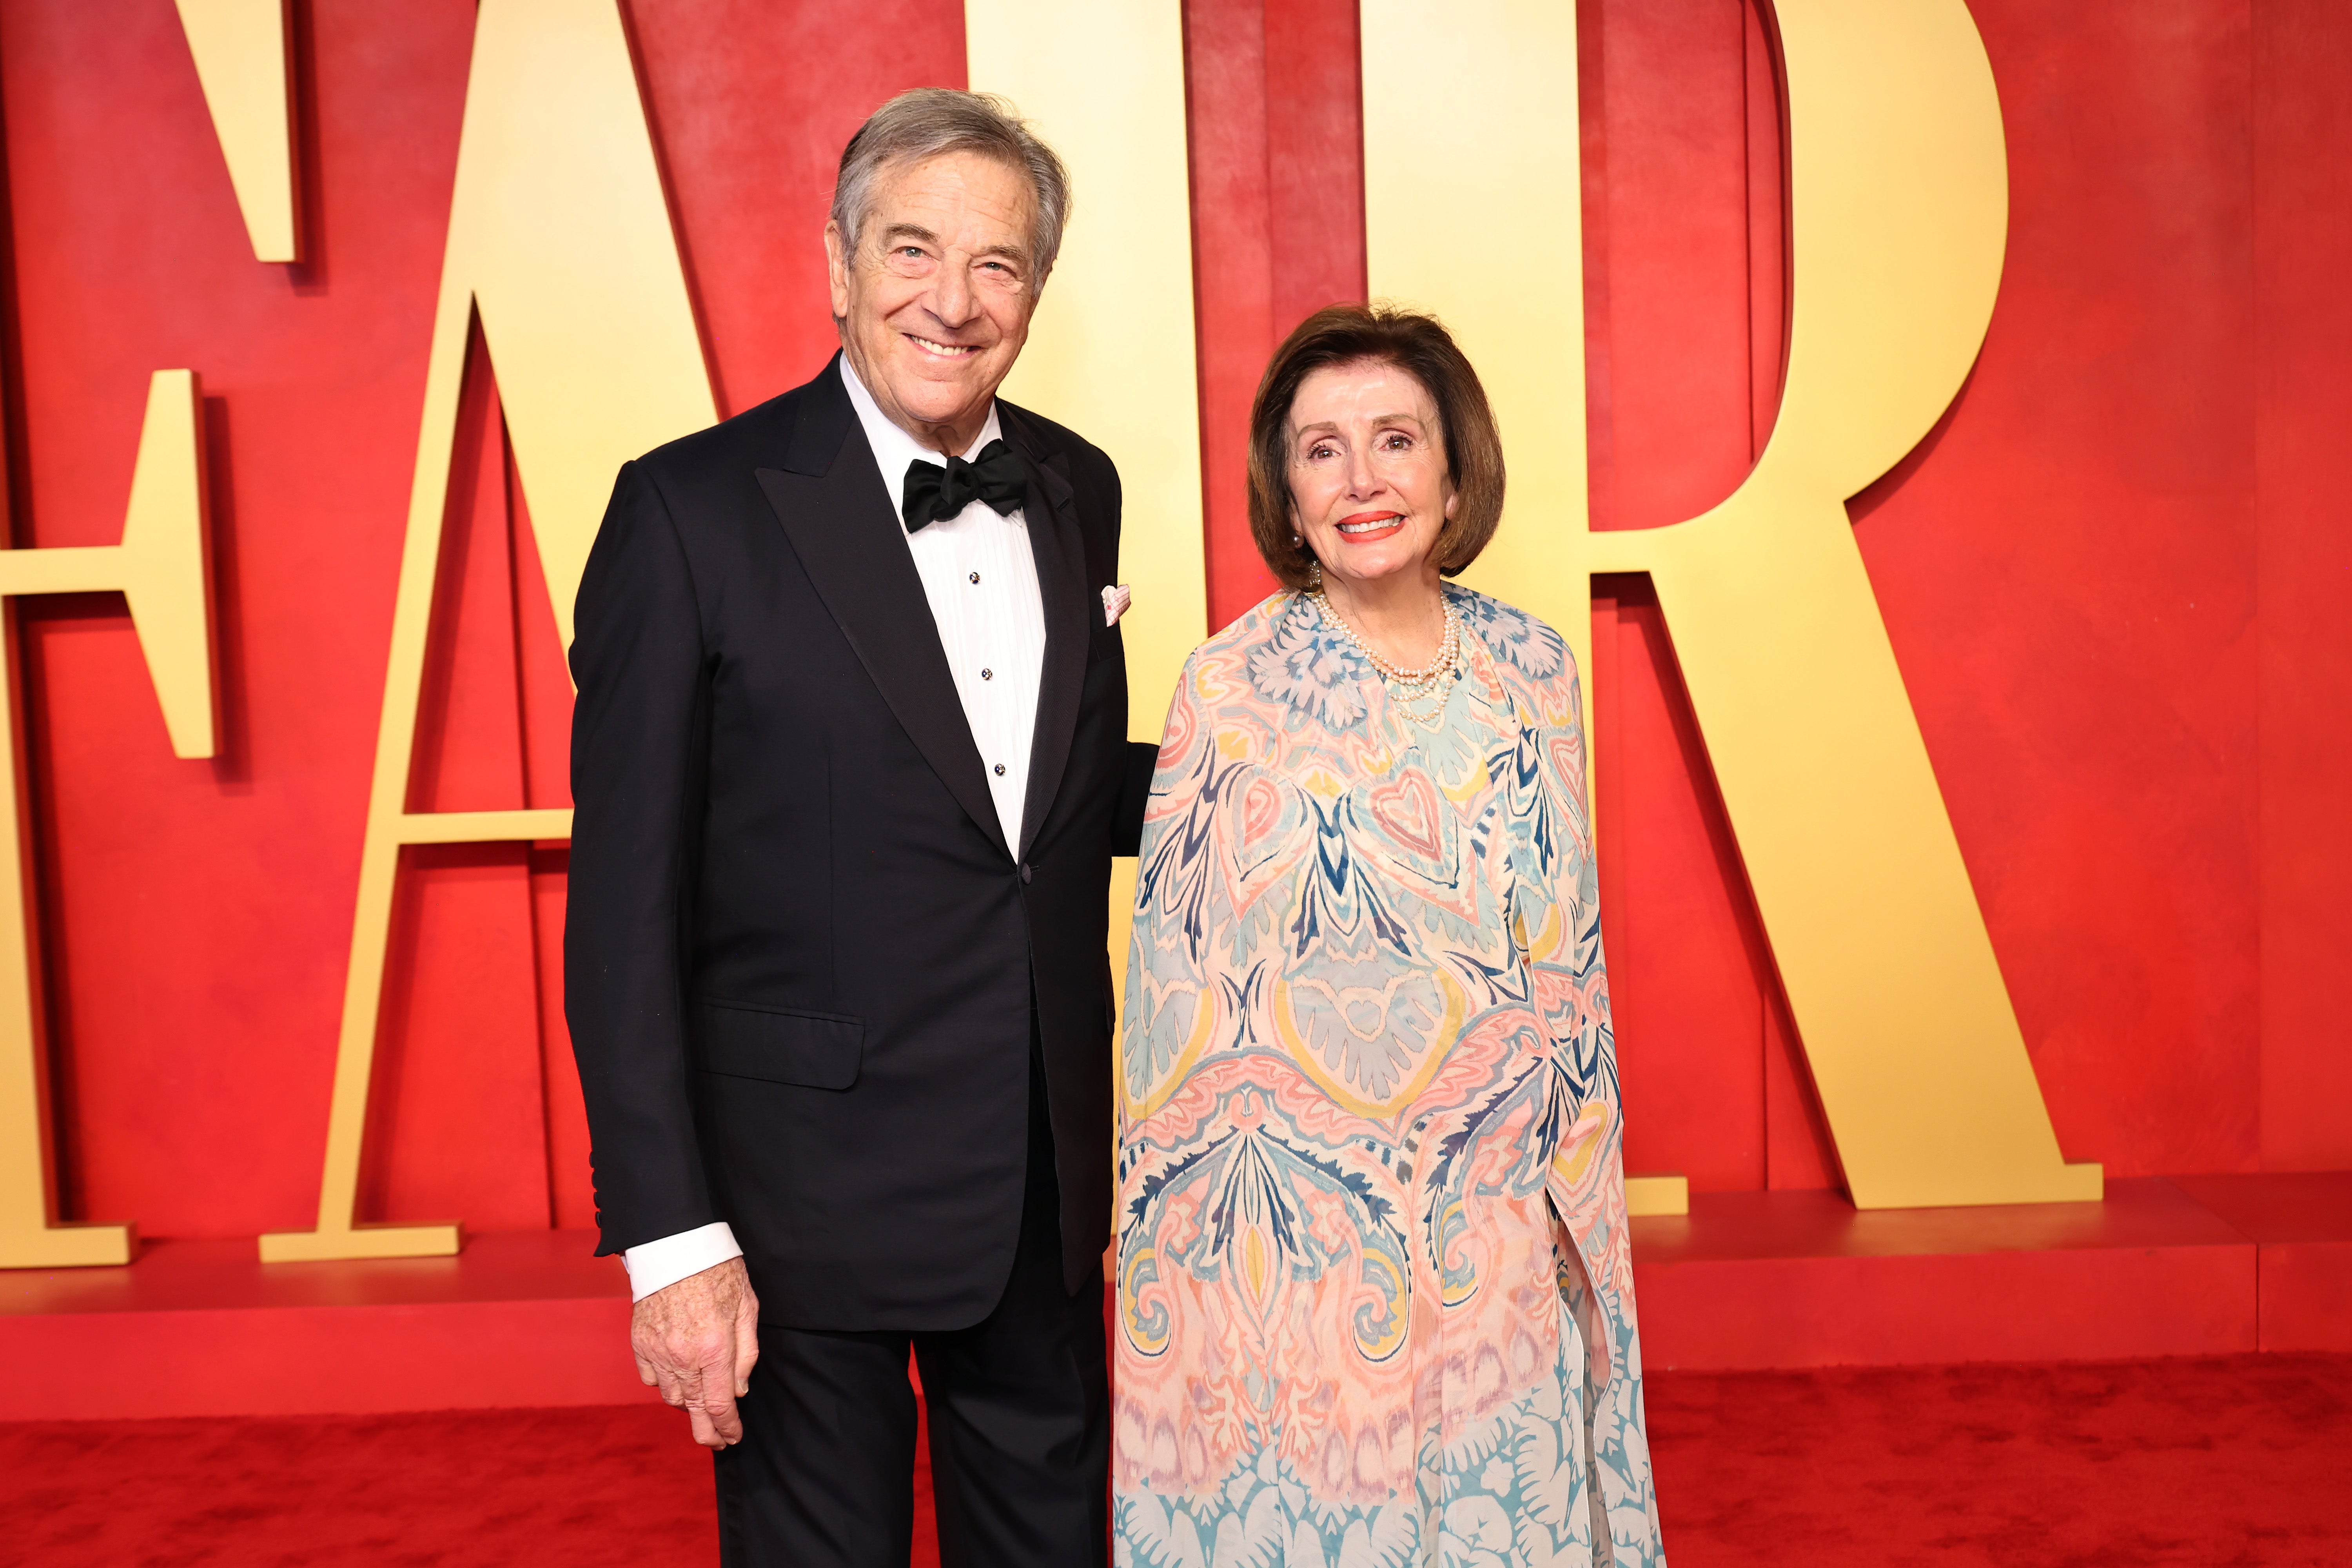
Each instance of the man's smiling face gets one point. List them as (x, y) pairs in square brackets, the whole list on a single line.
[(935, 303)]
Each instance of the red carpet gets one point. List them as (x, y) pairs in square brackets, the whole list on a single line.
[(2233, 1460), (2242, 1461)]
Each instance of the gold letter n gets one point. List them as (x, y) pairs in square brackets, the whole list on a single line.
[(559, 242)]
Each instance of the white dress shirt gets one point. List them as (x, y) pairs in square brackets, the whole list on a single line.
[(980, 581)]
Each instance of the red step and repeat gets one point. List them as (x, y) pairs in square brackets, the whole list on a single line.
[(2118, 574)]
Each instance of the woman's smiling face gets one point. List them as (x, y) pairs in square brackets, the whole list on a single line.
[(1368, 474)]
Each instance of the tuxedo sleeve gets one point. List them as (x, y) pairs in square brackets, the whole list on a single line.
[(637, 738), (1142, 756), (1134, 795)]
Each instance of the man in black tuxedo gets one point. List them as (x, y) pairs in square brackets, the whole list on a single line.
[(850, 765)]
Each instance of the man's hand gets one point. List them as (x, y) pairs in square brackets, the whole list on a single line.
[(696, 1341)]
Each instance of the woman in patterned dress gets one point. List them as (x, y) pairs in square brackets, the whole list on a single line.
[(1375, 1300)]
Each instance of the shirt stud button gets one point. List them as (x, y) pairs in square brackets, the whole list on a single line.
[(999, 770), (987, 675), (975, 576)]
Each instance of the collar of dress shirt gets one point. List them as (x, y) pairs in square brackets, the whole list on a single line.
[(893, 448)]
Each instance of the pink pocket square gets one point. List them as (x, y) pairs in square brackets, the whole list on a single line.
[(1116, 599)]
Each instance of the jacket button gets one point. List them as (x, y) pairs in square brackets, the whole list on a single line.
[(1024, 873)]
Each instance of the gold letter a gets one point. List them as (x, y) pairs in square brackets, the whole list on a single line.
[(559, 240)]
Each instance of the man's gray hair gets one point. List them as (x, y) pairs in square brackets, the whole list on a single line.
[(929, 121)]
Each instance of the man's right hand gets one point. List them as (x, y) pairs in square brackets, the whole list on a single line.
[(696, 1341)]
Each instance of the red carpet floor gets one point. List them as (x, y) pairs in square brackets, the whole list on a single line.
[(2230, 1462), (2239, 1462)]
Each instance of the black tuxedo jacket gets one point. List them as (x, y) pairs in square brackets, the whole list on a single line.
[(801, 966)]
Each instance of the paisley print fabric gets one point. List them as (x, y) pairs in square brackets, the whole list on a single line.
[(1375, 1296)]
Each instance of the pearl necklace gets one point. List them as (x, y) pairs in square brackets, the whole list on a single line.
[(1412, 684)]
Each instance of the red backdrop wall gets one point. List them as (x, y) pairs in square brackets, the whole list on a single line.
[(2115, 575)]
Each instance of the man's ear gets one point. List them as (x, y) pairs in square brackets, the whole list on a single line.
[(836, 270)]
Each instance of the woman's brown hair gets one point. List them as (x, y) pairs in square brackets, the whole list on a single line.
[(1417, 344)]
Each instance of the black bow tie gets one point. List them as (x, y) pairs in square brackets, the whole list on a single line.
[(999, 478)]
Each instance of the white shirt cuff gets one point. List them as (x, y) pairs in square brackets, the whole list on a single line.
[(658, 1265)]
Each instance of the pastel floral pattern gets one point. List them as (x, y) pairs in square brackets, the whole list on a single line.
[(1375, 1295)]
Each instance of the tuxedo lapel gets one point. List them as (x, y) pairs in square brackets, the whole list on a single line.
[(836, 511), (1051, 509)]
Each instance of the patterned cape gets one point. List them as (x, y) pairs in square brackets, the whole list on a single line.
[(1375, 1294)]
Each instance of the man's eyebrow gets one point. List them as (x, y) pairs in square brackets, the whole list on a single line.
[(898, 232)]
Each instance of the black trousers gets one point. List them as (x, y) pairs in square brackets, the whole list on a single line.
[(1019, 1408)]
